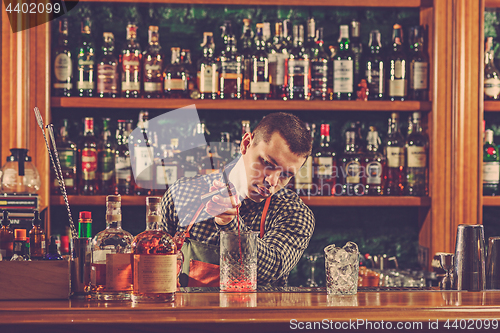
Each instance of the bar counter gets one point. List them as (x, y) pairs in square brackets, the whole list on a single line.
[(259, 312)]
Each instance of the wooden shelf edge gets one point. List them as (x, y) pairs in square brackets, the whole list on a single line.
[(492, 3), (492, 106), (168, 104), (491, 201)]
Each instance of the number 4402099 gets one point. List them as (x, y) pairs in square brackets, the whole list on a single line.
[(471, 324), (34, 8)]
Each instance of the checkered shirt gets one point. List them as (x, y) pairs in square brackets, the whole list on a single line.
[(289, 225)]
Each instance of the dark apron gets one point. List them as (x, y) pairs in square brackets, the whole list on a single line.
[(201, 261)]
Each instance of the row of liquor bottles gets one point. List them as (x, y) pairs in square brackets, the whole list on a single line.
[(120, 266), (287, 66), (104, 166)]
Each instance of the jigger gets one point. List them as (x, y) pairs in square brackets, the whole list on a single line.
[(469, 273), (446, 261), (493, 263)]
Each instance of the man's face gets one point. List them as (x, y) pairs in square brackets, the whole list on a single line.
[(269, 166)]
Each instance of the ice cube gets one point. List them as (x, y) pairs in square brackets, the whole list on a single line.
[(351, 247), (342, 257)]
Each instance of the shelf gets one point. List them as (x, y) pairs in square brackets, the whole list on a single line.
[(140, 103), (130, 200), (492, 106), (329, 3), (492, 3), (491, 201)]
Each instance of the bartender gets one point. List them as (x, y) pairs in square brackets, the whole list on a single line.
[(250, 192)]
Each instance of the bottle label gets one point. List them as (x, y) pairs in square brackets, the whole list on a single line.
[(491, 172), (166, 174), (298, 67), (106, 165), (319, 75), (155, 273), (107, 78), (353, 172), (85, 85), (417, 157), (324, 167), (175, 84), (143, 163), (131, 80), (231, 69), (67, 158), (399, 69), (260, 87), (395, 157), (89, 163), (63, 85), (63, 68), (277, 68), (420, 75), (397, 87), (152, 87), (190, 174), (374, 173), (68, 182), (375, 79), (207, 79), (123, 169), (343, 80), (153, 68), (492, 87), (118, 272), (303, 178)]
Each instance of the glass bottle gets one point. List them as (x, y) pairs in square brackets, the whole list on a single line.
[(397, 81), (343, 68), (6, 238), (298, 70), (231, 67), (351, 169), (491, 165), (85, 224), (168, 168), (303, 179), (62, 78), (53, 252), (375, 68), (419, 66), (325, 164), (416, 159), (68, 152), (122, 167), (225, 150), (106, 160), (260, 87), (187, 63), (319, 69), (85, 84), (246, 52), (211, 162), (310, 43), (143, 157), (357, 50), (130, 60), (153, 65), (208, 75), (277, 54), (154, 248), (37, 238), (395, 154), (87, 154), (176, 82), (21, 246), (491, 73), (111, 271), (375, 164), (107, 68)]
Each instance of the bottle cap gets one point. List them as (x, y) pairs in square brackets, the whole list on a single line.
[(152, 200), (85, 215), (36, 218), (20, 234), (5, 219), (114, 198)]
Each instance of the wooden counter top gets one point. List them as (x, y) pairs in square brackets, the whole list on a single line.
[(261, 312)]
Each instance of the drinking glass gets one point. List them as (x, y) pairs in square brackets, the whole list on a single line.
[(238, 261), (342, 267), (312, 259)]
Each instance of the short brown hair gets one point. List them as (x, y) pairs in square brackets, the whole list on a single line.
[(290, 127)]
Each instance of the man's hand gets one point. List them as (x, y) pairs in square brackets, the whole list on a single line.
[(222, 207)]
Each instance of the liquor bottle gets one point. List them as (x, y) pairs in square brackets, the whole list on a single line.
[(351, 169), (143, 157), (416, 159), (37, 238), (154, 259), (319, 69), (106, 160), (167, 169), (187, 63), (111, 271), (277, 54), (122, 167), (310, 43), (21, 246), (107, 68), (85, 85), (246, 52), (212, 162), (375, 68), (491, 73), (397, 81), (375, 164), (260, 87), (491, 165), (68, 152), (357, 50), (325, 164), (52, 251), (130, 60), (6, 238), (303, 179), (208, 75), (298, 68), (225, 149), (231, 67), (343, 68), (62, 78), (87, 154), (395, 154), (419, 66), (266, 35), (175, 77), (85, 224), (153, 65)]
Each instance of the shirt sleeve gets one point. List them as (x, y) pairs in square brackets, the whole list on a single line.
[(169, 216)]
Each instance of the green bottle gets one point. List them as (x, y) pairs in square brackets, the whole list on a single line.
[(491, 165)]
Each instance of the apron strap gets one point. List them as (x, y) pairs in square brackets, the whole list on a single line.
[(263, 218)]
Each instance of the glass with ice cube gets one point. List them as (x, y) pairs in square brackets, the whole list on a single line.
[(342, 266)]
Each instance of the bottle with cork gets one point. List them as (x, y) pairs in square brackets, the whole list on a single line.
[(37, 238)]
